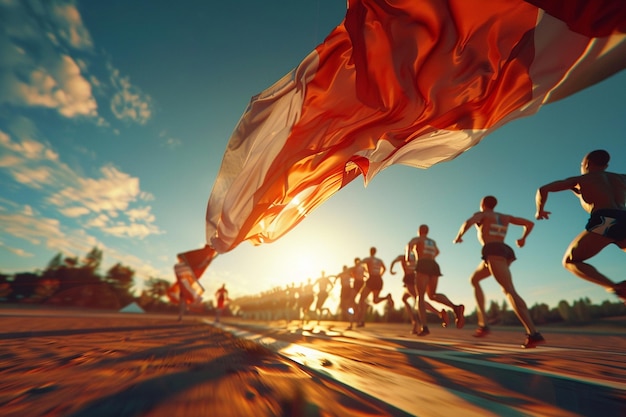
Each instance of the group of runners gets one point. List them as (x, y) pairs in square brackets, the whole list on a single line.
[(602, 194)]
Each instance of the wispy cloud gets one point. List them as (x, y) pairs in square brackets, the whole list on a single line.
[(69, 25), (129, 103), (170, 142), (42, 48), (16, 251), (35, 47), (36, 230), (113, 202)]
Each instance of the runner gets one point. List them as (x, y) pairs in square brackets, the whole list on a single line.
[(410, 292), (347, 305), (375, 269), (497, 257), (222, 297), (306, 300), (323, 283), (427, 273), (357, 271), (602, 194)]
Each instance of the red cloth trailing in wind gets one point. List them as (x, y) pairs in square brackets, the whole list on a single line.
[(413, 82)]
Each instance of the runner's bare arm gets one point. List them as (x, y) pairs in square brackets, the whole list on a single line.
[(466, 225), (527, 225), (542, 194)]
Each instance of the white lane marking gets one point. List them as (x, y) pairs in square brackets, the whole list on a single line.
[(409, 394), (466, 355)]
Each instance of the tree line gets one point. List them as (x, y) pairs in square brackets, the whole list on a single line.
[(78, 282)]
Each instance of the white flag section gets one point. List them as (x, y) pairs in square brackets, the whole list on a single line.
[(414, 83), (186, 286)]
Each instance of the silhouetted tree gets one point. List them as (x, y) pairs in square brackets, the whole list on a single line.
[(540, 313), (23, 286), (56, 262), (5, 287), (152, 298), (493, 313), (507, 316), (157, 287), (93, 259), (566, 311), (120, 278), (581, 310)]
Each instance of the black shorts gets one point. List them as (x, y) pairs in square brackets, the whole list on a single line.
[(608, 222), (498, 249), (374, 283), (428, 267)]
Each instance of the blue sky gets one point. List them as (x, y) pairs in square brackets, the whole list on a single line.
[(114, 117)]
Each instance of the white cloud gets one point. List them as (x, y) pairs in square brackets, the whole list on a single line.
[(114, 191), (74, 211), (129, 103), (170, 142), (7, 161), (31, 228), (141, 214), (34, 177), (173, 143), (45, 75), (64, 89), (134, 230), (106, 202), (100, 221), (28, 210), (70, 26), (17, 251)]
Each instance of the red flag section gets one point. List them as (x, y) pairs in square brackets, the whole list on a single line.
[(198, 260), (413, 82)]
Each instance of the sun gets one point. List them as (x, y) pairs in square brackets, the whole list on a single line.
[(305, 266)]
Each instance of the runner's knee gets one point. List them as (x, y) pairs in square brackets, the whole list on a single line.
[(568, 260), (474, 280)]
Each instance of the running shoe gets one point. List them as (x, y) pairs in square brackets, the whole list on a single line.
[(482, 331), (459, 312), (360, 324), (424, 331), (443, 315), (532, 340)]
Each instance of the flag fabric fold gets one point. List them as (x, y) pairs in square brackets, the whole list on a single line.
[(190, 267), (401, 82), (198, 259)]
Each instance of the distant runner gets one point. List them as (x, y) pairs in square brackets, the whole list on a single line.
[(375, 268), (427, 273), (408, 281), (222, 296)]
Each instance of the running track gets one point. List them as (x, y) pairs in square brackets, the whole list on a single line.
[(449, 373)]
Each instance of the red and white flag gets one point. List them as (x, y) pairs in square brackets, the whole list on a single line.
[(413, 82), (186, 287)]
